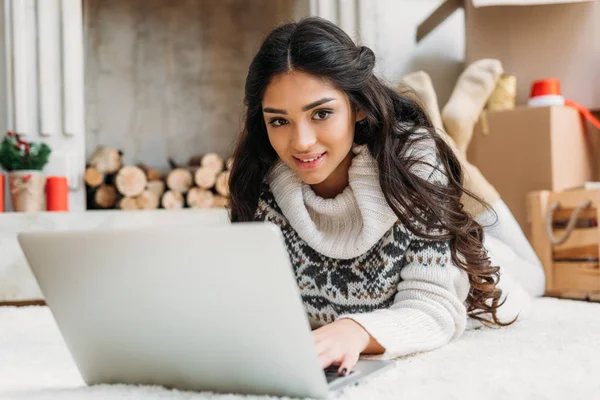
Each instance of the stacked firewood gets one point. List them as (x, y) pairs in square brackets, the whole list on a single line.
[(202, 183)]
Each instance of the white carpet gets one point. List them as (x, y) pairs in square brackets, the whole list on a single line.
[(553, 354)]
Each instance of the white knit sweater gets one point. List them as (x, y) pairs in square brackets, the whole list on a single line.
[(354, 259)]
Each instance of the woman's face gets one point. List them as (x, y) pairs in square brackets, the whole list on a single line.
[(310, 125)]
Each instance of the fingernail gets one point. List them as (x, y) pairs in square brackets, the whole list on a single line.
[(344, 370)]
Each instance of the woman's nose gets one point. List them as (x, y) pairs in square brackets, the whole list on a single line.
[(304, 139)]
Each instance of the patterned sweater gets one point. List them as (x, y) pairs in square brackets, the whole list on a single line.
[(352, 258)]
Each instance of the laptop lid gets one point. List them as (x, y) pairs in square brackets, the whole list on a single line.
[(212, 307)]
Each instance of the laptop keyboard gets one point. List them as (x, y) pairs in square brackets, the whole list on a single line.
[(331, 373)]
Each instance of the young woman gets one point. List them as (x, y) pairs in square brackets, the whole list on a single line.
[(367, 196)]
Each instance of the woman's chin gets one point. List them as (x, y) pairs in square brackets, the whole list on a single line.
[(311, 178)]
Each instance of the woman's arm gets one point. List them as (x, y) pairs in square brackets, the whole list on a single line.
[(428, 309)]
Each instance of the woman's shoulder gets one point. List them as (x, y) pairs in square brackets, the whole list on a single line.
[(423, 156)]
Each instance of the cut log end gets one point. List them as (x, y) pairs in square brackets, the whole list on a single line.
[(205, 178), (229, 164), (172, 200), (92, 177), (200, 198), (105, 196), (106, 160), (213, 161), (131, 181), (179, 180), (128, 204), (222, 184), (148, 200)]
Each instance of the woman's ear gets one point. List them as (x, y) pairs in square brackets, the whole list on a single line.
[(360, 116)]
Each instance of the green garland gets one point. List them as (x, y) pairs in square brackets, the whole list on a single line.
[(18, 154)]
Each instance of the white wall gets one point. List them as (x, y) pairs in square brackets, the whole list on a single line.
[(440, 54)]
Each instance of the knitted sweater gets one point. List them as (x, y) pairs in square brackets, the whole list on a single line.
[(352, 258)]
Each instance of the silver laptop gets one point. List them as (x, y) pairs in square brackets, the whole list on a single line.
[(202, 308)]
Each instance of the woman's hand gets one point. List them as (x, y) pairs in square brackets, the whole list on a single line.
[(342, 342)]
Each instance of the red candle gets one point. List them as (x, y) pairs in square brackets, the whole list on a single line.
[(57, 193), (1, 193)]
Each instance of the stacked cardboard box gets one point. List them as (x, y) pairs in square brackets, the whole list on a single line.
[(528, 149)]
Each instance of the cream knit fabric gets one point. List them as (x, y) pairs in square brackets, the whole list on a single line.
[(346, 226)]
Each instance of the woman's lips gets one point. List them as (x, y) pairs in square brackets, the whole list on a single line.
[(309, 161)]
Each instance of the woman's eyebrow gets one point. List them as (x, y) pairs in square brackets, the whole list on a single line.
[(305, 108), (317, 103), (274, 111)]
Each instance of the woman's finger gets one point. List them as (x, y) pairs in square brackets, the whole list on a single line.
[(348, 362)]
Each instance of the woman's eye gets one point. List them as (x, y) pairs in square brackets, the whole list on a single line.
[(277, 122), (322, 114)]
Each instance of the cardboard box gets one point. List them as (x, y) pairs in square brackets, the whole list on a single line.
[(534, 39), (571, 267), (531, 149)]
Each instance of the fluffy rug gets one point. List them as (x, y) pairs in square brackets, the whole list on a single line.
[(553, 354)]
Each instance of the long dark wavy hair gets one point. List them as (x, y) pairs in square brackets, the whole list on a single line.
[(393, 124)]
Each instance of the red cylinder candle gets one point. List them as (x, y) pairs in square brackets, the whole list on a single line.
[(57, 193), (1, 193)]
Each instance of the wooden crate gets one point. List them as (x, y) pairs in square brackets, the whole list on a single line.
[(571, 255)]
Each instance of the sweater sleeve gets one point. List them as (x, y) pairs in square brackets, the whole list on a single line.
[(428, 309)]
